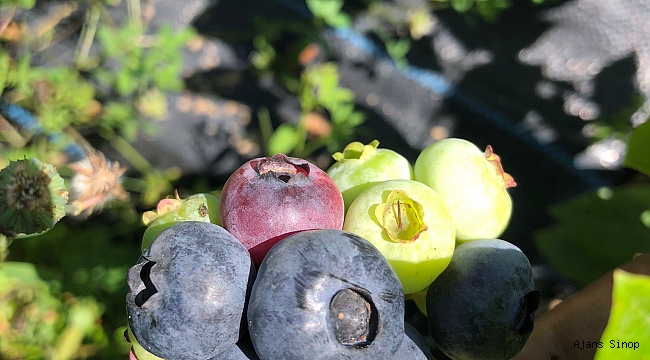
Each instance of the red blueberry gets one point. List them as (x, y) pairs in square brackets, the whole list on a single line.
[(269, 198)]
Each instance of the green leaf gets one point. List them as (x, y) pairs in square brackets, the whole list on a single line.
[(116, 113), (103, 76), (567, 257), (25, 272), (462, 5), (283, 140), (4, 70), (324, 8), (129, 130), (339, 20), (628, 329), (638, 149), (490, 10), (333, 98), (596, 232), (645, 218), (167, 78), (22, 75), (27, 4), (398, 49), (110, 43), (355, 119), (125, 82), (341, 113), (23, 4)]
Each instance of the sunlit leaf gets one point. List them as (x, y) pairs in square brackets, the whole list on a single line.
[(628, 329), (462, 5), (4, 70), (125, 83), (283, 140), (398, 49), (340, 20), (638, 149), (26, 273), (325, 8)]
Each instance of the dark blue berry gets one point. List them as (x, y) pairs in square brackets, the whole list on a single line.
[(326, 294), (188, 292), (481, 306)]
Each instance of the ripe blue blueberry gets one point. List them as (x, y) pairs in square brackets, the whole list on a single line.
[(481, 306), (236, 352), (188, 291), (414, 346), (326, 294)]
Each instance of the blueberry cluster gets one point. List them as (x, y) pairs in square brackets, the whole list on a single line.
[(304, 264), (318, 294)]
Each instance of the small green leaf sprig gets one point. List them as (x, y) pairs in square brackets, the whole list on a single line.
[(319, 92)]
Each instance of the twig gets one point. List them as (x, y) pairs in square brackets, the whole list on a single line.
[(135, 12), (87, 34)]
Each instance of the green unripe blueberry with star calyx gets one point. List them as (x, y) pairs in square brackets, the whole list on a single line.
[(471, 183), (360, 166), (410, 225), (198, 207)]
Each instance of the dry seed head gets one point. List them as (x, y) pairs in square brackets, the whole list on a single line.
[(96, 182), (32, 197)]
